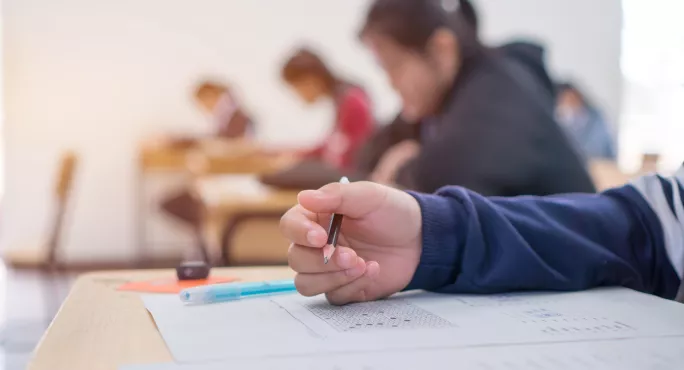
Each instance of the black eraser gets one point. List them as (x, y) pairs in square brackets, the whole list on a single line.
[(193, 270)]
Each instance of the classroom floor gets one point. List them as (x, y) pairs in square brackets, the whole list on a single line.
[(26, 308)]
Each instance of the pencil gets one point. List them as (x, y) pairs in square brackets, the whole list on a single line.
[(333, 231)]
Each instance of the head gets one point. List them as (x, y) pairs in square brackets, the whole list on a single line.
[(568, 97), (422, 47), (308, 75), (570, 103), (208, 94)]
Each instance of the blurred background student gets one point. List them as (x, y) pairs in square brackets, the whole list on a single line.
[(230, 122), (313, 80), (487, 115), (584, 123), (226, 116)]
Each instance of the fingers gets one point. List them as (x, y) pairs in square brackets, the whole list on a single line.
[(310, 260), (354, 200), (313, 284), (358, 290), (300, 227)]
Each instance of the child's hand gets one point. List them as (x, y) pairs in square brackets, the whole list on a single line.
[(379, 246)]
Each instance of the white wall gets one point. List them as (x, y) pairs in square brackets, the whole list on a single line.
[(99, 75), (582, 37)]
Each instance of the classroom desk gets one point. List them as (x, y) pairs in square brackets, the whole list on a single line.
[(228, 209), (214, 157), (100, 328)]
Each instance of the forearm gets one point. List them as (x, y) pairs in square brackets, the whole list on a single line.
[(485, 245)]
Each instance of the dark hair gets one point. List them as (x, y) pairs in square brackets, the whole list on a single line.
[(305, 63), (411, 23), (209, 87)]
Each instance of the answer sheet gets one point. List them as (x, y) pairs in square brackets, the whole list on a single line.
[(290, 325), (629, 354)]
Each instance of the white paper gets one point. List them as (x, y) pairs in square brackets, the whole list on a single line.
[(294, 325), (630, 354)]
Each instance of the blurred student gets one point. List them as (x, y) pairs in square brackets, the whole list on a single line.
[(226, 116), (230, 122), (229, 118), (584, 123), (312, 80), (486, 115)]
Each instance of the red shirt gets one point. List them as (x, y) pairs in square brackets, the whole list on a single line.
[(353, 127)]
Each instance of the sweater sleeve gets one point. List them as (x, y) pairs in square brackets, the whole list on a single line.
[(474, 244)]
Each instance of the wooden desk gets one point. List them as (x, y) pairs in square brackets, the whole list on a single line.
[(99, 328), (243, 225), (208, 158)]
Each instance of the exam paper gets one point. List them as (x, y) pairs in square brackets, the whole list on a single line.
[(294, 325), (630, 354)]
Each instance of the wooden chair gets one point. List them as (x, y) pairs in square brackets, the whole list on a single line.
[(44, 255), (43, 258)]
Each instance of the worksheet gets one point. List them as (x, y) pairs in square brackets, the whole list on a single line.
[(630, 354), (289, 325)]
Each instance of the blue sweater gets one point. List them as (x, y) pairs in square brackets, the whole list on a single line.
[(631, 236)]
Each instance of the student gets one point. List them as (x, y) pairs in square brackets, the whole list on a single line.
[(228, 116), (312, 80), (457, 241), (584, 123), (486, 114), (230, 122)]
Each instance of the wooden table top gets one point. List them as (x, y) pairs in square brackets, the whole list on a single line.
[(100, 328), (219, 156)]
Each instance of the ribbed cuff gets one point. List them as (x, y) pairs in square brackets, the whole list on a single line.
[(443, 235)]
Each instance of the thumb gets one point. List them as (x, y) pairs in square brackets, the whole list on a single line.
[(354, 200)]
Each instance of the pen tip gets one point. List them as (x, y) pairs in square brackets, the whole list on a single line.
[(325, 260), (344, 180)]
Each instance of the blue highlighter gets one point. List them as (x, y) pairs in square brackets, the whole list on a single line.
[(235, 291)]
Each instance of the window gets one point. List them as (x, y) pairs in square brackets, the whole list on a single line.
[(653, 69)]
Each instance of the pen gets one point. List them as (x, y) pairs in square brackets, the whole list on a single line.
[(234, 291), (333, 231)]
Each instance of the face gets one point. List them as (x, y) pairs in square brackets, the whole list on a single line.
[(421, 79), (569, 99), (207, 101), (310, 89), (568, 107)]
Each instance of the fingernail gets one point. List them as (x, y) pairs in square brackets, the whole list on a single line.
[(355, 271), (344, 259)]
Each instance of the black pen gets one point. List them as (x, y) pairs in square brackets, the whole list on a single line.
[(333, 231)]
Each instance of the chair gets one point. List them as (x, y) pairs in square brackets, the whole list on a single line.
[(44, 256)]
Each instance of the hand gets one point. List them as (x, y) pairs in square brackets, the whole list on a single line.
[(378, 249), (390, 163)]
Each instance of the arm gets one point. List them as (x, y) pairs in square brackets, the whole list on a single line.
[(356, 124), (570, 242)]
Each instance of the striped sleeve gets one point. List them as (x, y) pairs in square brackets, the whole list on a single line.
[(665, 197)]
